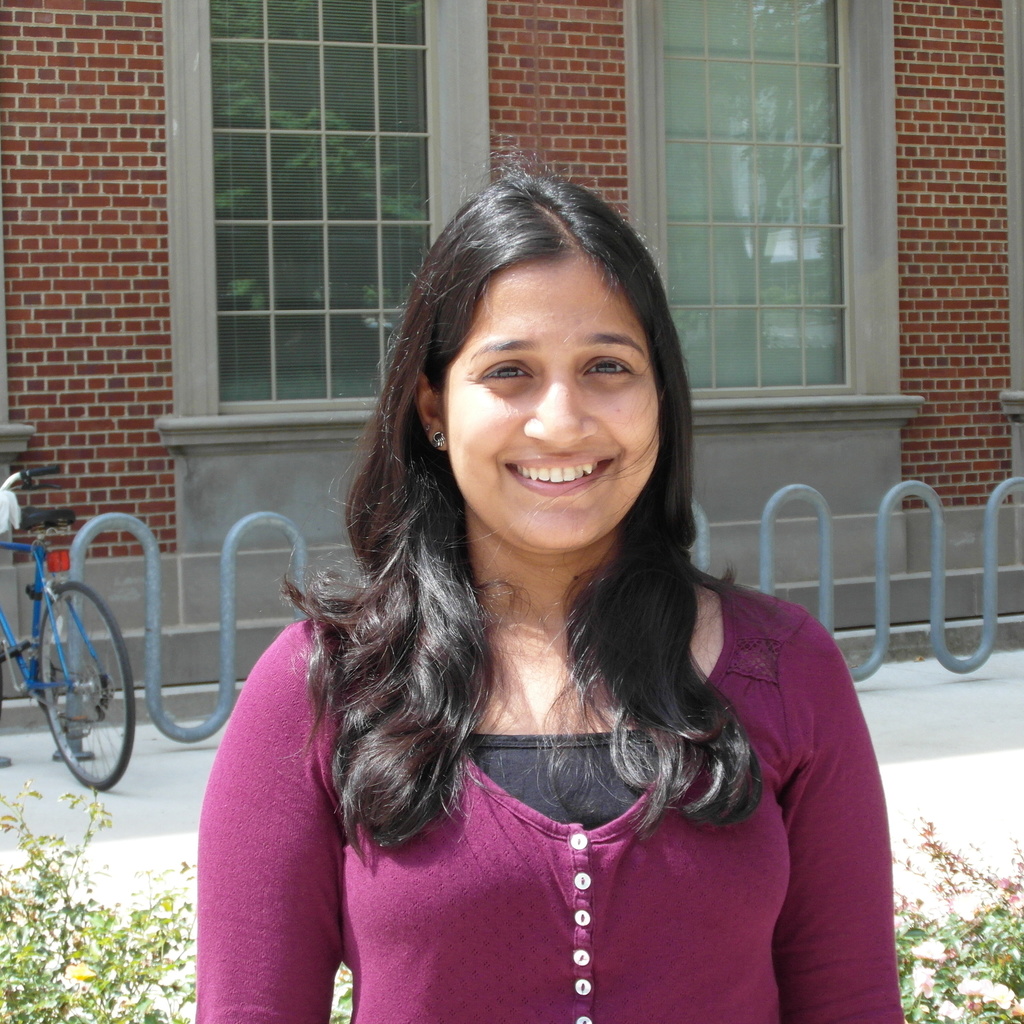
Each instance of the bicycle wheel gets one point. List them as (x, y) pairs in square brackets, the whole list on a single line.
[(88, 694)]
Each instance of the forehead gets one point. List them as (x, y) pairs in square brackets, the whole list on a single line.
[(568, 297)]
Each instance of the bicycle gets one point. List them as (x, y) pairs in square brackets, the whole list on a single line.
[(74, 662)]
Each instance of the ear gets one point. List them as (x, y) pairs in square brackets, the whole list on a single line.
[(429, 405)]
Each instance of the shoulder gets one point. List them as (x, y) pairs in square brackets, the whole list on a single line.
[(766, 631), (784, 674), (276, 687)]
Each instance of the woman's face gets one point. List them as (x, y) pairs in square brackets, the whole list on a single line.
[(550, 411)]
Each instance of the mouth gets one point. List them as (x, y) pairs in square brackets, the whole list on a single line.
[(556, 474)]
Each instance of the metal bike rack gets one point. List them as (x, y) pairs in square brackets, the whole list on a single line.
[(701, 554), (228, 594), (116, 521), (826, 581)]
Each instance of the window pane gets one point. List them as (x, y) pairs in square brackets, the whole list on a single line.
[(242, 280), (351, 178), (353, 267), (400, 21), (775, 107), (298, 191), (684, 29), (348, 21), (298, 268), (781, 348), (403, 179), (237, 76), (686, 181), (821, 197), (236, 19), (778, 178), (823, 331), (775, 30), (728, 27), (823, 282), (300, 356), (731, 116), (689, 281), (779, 266), (294, 87), (403, 250), (355, 355), (348, 88), (818, 105), (817, 35), (240, 176), (685, 100), (735, 278), (293, 19), (732, 183), (735, 348), (243, 350), (402, 107), (694, 327)]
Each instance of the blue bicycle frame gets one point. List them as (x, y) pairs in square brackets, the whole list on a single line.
[(30, 669)]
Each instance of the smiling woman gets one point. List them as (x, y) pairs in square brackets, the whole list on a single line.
[(532, 765)]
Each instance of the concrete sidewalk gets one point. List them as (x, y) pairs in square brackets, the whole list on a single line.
[(951, 749)]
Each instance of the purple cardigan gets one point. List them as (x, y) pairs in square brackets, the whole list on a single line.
[(503, 916)]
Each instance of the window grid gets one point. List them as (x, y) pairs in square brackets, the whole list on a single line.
[(382, 314), (756, 227)]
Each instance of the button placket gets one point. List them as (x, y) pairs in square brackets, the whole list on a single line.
[(582, 910)]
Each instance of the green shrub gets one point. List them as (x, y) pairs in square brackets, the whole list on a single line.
[(961, 948), (65, 958)]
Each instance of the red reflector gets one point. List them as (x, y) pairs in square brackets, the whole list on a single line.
[(58, 561)]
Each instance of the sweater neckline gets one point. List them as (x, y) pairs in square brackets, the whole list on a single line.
[(615, 828)]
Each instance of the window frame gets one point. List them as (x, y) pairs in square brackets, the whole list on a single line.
[(868, 134), (458, 155)]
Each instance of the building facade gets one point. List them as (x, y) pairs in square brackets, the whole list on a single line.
[(211, 209)]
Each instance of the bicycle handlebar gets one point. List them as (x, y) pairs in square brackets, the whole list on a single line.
[(27, 478)]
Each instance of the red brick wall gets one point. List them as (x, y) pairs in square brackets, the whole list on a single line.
[(558, 88), (952, 235), (85, 245)]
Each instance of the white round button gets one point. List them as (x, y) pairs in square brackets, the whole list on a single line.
[(584, 1020), (581, 957), (578, 841), (583, 986), (582, 918), (582, 880)]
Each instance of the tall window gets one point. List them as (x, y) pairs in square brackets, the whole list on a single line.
[(754, 212), (320, 189)]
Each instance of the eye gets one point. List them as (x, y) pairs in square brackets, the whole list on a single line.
[(502, 372), (608, 366)]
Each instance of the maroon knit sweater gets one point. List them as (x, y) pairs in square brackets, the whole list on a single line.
[(500, 915)]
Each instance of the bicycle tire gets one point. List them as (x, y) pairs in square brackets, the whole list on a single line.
[(93, 719)]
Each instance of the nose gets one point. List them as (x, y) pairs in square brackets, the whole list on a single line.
[(560, 416)]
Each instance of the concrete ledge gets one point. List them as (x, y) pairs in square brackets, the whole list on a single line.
[(913, 642), (815, 413), (184, 703)]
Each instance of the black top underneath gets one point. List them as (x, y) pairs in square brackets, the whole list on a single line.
[(569, 779)]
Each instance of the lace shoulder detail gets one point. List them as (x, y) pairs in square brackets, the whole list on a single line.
[(757, 657)]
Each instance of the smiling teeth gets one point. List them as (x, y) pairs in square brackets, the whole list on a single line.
[(556, 474)]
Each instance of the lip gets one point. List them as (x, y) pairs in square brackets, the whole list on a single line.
[(548, 487)]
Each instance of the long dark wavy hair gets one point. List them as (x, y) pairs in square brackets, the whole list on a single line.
[(401, 665)]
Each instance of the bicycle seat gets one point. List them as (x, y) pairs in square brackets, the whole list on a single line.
[(47, 518)]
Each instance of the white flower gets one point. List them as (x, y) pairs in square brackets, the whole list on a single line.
[(924, 980), (967, 905), (987, 991), (930, 949), (950, 1012)]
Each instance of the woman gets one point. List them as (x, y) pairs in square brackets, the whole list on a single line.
[(545, 770)]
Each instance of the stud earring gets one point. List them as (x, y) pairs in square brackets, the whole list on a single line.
[(438, 440)]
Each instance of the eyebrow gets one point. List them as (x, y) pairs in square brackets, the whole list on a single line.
[(521, 345)]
